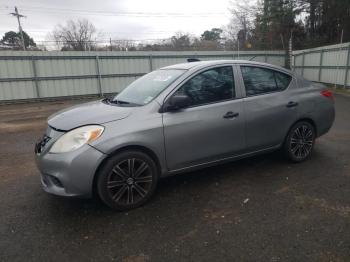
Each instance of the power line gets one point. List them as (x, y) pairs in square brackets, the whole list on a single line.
[(112, 13), (108, 34), (129, 14), (103, 33), (106, 40)]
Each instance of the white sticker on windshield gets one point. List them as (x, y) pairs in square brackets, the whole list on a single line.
[(148, 99)]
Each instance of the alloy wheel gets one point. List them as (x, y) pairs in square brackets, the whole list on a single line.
[(301, 142), (130, 181)]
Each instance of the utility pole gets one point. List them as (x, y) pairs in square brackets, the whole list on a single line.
[(290, 47), (19, 16), (338, 59)]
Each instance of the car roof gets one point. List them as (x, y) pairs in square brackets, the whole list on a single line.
[(203, 64)]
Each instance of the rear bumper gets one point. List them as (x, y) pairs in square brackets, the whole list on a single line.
[(69, 174)]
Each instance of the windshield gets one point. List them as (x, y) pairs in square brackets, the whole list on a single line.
[(146, 88)]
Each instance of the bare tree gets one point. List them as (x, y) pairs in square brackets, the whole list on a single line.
[(242, 21), (122, 45), (75, 35), (181, 41)]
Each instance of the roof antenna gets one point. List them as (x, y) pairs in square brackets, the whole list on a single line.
[(193, 60), (251, 59)]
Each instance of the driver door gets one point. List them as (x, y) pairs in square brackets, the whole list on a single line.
[(212, 127)]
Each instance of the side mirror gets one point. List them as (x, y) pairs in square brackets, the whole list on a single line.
[(177, 102)]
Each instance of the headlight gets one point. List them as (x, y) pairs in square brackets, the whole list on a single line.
[(76, 138)]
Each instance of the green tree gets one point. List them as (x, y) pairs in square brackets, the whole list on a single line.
[(312, 23), (276, 22), (326, 20), (14, 39), (213, 35)]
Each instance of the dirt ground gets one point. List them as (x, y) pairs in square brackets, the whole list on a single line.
[(258, 209)]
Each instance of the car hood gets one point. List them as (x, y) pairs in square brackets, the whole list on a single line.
[(91, 113)]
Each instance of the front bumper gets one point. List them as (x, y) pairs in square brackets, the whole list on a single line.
[(69, 174)]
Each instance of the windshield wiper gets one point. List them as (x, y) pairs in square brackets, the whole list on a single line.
[(106, 100), (118, 102), (110, 101)]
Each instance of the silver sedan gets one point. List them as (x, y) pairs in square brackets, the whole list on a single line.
[(176, 119)]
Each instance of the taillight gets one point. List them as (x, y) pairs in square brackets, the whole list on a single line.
[(327, 93)]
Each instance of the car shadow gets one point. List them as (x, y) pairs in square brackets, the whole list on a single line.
[(171, 186)]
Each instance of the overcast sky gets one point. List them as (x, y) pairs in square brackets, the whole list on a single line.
[(119, 19)]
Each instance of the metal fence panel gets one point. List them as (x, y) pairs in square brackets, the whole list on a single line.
[(116, 84), (124, 66), (276, 60), (16, 68), (68, 87), (20, 90), (311, 73), (328, 64), (312, 59), (31, 74)]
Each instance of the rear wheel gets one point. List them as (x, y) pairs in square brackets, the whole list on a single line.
[(300, 141), (127, 180)]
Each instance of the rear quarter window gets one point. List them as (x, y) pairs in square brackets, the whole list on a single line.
[(303, 83), (259, 80), (282, 80)]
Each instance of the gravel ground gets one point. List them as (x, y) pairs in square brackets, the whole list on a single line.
[(258, 209)]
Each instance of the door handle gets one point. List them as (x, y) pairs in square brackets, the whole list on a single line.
[(292, 104), (230, 114)]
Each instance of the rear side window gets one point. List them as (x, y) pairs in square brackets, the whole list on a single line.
[(213, 85), (282, 80), (259, 80)]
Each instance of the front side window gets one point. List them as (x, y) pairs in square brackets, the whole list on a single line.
[(146, 88), (210, 86), (259, 80)]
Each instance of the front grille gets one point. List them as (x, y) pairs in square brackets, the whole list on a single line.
[(39, 146)]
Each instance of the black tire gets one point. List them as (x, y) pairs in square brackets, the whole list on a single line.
[(122, 187), (300, 142)]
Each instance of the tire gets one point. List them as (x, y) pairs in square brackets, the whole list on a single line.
[(300, 142), (127, 180)]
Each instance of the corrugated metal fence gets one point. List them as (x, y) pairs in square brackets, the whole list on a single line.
[(32, 75), (327, 64)]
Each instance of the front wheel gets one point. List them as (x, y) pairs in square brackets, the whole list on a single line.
[(127, 180), (300, 141)]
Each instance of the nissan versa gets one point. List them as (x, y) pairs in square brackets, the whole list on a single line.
[(176, 119)]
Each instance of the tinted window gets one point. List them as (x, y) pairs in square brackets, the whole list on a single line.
[(282, 80), (213, 85), (261, 80)]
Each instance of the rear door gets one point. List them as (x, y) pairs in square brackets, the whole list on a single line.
[(269, 106), (212, 128)]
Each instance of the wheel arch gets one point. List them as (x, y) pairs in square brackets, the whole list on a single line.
[(303, 119), (139, 148), (310, 121)]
